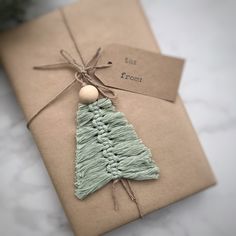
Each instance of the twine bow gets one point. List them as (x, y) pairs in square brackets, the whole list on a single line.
[(84, 74)]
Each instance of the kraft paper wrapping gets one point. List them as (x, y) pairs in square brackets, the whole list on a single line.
[(163, 126)]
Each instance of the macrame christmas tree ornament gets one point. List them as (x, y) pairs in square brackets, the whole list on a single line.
[(107, 146)]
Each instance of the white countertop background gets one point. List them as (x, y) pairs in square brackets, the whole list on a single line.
[(201, 31)]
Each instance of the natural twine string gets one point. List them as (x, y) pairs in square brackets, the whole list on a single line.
[(85, 74), (82, 75), (127, 187)]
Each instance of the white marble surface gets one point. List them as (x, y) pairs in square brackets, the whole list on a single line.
[(203, 32)]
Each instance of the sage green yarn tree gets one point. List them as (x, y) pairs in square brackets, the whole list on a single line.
[(108, 148)]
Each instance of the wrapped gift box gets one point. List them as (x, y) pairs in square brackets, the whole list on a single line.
[(162, 125)]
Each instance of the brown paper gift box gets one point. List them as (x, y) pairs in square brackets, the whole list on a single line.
[(163, 126)]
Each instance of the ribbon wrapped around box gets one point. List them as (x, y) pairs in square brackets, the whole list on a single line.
[(162, 125)]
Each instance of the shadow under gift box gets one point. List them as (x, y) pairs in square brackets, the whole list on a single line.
[(163, 126)]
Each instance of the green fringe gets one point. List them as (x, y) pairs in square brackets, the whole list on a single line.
[(108, 148)]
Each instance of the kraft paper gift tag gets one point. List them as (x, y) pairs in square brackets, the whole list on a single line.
[(162, 125)]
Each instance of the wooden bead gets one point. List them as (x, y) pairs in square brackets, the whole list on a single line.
[(88, 94)]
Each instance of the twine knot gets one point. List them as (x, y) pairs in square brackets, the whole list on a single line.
[(84, 73)]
